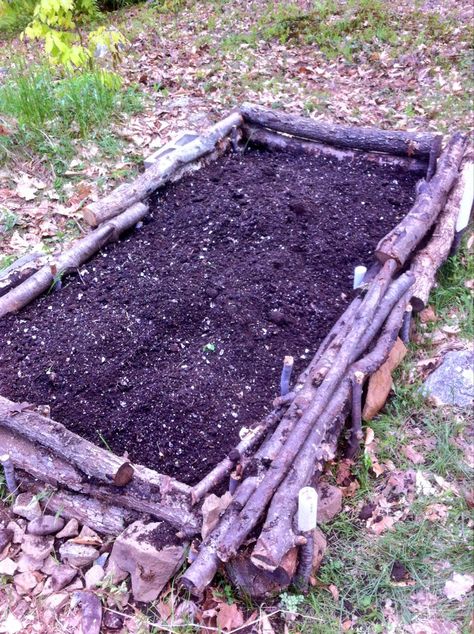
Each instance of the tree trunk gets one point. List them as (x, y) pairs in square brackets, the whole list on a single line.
[(400, 243), (159, 173), (71, 259), (278, 142), (412, 144), (427, 261)]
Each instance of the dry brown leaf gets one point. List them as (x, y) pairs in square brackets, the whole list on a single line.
[(229, 617), (264, 625), (458, 586), (413, 455), (344, 471), (427, 315), (384, 524), (436, 513), (380, 383), (334, 591)]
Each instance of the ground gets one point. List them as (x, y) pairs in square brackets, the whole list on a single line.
[(396, 551)]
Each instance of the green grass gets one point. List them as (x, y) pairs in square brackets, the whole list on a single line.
[(55, 113)]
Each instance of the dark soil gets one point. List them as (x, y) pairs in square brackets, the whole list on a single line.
[(170, 341)]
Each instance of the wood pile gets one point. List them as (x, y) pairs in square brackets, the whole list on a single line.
[(287, 450)]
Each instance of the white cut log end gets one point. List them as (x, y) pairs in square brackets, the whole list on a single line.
[(307, 509), (467, 197), (359, 273)]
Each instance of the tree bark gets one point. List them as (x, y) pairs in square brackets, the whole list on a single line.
[(21, 269), (427, 261), (274, 141), (400, 243), (71, 259), (53, 454), (159, 173), (257, 503), (412, 144)]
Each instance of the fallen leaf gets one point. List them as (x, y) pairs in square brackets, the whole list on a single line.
[(436, 513), (264, 626), (427, 315), (344, 471), (413, 455), (380, 383), (385, 524), (457, 587), (334, 591), (229, 617)]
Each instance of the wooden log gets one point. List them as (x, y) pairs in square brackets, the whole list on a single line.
[(278, 534), (257, 503), (414, 144), (400, 243), (274, 141), (98, 515), (19, 270), (426, 262), (55, 455), (70, 260), (201, 572), (159, 173)]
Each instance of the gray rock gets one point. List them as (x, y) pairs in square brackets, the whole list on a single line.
[(26, 505), (25, 582), (37, 546), (77, 555), (45, 525), (150, 565), (18, 531), (114, 573), (453, 382), (70, 530), (94, 576), (329, 502), (8, 567), (62, 575), (6, 537), (29, 564)]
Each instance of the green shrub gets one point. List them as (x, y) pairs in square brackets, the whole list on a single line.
[(15, 15)]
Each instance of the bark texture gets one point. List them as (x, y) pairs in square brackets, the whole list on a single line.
[(411, 144)]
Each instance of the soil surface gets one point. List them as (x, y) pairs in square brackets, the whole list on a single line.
[(171, 340)]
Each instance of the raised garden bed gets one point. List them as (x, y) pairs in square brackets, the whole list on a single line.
[(183, 327)]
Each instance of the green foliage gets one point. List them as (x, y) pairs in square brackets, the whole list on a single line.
[(52, 113), (58, 23), (15, 15)]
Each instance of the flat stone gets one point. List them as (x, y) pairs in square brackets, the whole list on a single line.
[(114, 573), (62, 575), (18, 532), (56, 602), (78, 555), (329, 502), (8, 567), (37, 546), (70, 530), (319, 548), (94, 576), (45, 525), (453, 382), (49, 565), (6, 538), (26, 505), (140, 551), (29, 564), (25, 582)]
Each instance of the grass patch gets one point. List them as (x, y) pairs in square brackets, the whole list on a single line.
[(53, 114)]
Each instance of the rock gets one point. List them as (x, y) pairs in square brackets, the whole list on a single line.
[(277, 317), (29, 564), (56, 602), (88, 536), (211, 510), (453, 382), (258, 583), (6, 537), (112, 621), (18, 532), (142, 551), (49, 565), (45, 525), (70, 530), (329, 502), (94, 576), (115, 573), (26, 505), (78, 555), (75, 585), (319, 549), (25, 582), (8, 567), (37, 546), (62, 575), (91, 607)]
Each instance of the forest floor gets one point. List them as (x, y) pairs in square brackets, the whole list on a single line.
[(364, 62)]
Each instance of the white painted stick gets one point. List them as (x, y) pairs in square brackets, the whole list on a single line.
[(9, 471), (359, 273), (467, 198), (307, 509)]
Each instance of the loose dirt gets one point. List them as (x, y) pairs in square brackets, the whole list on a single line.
[(168, 342)]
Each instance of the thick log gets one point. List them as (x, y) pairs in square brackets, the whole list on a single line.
[(400, 243), (19, 270), (257, 503), (70, 260), (279, 534), (427, 261), (53, 454), (274, 141), (204, 567), (159, 173), (414, 144)]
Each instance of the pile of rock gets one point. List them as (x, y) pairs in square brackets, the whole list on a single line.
[(56, 563)]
